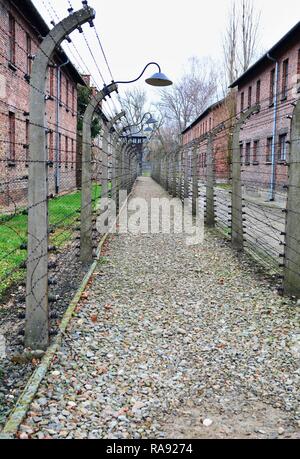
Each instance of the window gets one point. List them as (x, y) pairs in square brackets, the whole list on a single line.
[(12, 136), (67, 93), (210, 124), (258, 84), (241, 152), (12, 39), (73, 99), (298, 65), (285, 73), (282, 147), (51, 82), (269, 149), (51, 146), (249, 96), (66, 151), (29, 57), (247, 153), (272, 86), (242, 101), (255, 151)]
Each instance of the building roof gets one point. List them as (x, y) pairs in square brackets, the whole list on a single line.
[(35, 20), (203, 115), (290, 37)]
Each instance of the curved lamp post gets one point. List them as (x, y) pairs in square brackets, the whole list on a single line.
[(157, 79)]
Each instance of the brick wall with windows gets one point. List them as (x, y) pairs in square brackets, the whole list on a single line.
[(215, 115), (258, 130), (20, 34)]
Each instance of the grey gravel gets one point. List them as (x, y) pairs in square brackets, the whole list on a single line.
[(172, 336)]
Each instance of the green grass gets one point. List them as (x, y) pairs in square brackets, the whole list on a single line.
[(224, 186), (63, 212)]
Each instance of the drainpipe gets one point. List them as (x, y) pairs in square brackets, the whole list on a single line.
[(57, 146), (273, 173)]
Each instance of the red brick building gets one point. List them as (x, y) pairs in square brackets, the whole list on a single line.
[(213, 117), (264, 144), (21, 32)]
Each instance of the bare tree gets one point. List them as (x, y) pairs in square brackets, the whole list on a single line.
[(230, 46), (134, 103), (250, 21), (194, 92), (240, 40)]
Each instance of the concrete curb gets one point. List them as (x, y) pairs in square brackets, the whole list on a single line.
[(22, 405)]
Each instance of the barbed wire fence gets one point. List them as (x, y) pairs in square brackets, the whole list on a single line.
[(234, 199), (41, 227)]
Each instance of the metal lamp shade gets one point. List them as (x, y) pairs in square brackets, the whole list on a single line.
[(151, 120), (159, 79)]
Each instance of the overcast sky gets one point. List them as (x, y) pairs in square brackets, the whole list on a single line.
[(135, 32)]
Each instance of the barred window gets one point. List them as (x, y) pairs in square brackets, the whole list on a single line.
[(12, 136), (12, 39)]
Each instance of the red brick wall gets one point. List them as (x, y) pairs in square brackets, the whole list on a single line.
[(260, 126), (215, 117), (14, 98)]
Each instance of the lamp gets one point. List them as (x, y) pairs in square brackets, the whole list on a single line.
[(151, 120), (158, 79)]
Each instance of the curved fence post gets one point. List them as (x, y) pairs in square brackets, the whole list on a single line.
[(37, 321), (114, 154), (86, 244), (237, 234)]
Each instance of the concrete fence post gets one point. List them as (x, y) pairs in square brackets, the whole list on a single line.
[(210, 183), (170, 174), (186, 191), (181, 178), (117, 172), (125, 166), (105, 154), (119, 181), (167, 163), (237, 233), (174, 173), (78, 159), (166, 171), (195, 186), (291, 281), (37, 320), (86, 245), (179, 173), (114, 166), (114, 153)]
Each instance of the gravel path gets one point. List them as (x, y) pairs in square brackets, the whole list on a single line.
[(173, 341)]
